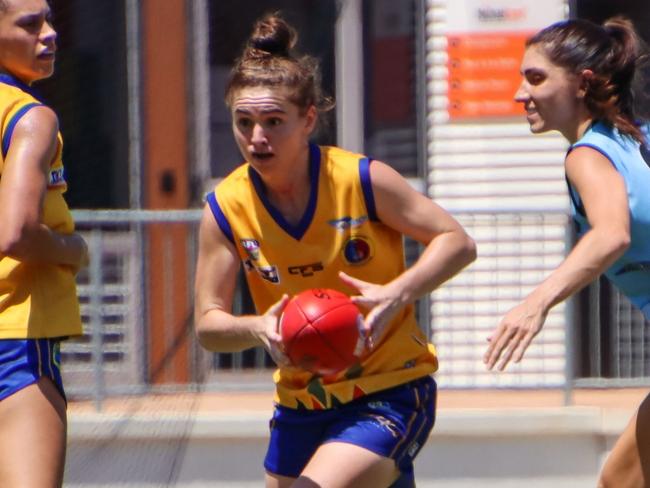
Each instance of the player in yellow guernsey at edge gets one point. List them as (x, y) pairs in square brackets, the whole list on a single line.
[(39, 256), (300, 216)]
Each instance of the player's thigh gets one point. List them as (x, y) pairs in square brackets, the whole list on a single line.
[(362, 468), (628, 465), (643, 438), (276, 481), (33, 440)]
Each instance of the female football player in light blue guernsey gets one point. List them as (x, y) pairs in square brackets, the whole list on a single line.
[(39, 256), (300, 216), (577, 79)]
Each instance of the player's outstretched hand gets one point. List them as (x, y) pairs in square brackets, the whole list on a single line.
[(514, 334), (381, 306), (271, 337)]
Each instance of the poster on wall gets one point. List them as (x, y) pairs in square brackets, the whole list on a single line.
[(485, 44)]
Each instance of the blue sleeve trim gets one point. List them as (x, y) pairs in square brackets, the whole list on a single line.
[(6, 138), (10, 80), (574, 198), (366, 186), (220, 217)]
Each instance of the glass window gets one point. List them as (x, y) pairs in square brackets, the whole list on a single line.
[(88, 92), (390, 78)]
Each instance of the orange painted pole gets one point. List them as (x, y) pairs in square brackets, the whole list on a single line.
[(166, 185)]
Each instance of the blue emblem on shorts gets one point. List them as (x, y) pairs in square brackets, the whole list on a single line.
[(387, 424), (413, 449), (357, 250)]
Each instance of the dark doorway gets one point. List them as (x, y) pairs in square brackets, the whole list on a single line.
[(89, 93)]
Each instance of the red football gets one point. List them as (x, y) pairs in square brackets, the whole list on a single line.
[(320, 331)]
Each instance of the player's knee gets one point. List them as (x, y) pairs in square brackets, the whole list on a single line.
[(609, 476), (609, 479), (602, 483)]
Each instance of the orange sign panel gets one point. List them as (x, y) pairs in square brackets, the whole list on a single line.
[(483, 74)]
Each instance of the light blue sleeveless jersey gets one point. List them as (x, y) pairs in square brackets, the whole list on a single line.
[(631, 272)]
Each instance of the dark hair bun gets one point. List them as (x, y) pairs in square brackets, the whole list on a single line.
[(269, 60), (271, 36)]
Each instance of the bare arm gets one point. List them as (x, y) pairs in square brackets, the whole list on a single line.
[(448, 249), (604, 196), (216, 277), (22, 190)]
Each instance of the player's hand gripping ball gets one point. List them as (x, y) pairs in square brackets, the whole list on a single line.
[(320, 331)]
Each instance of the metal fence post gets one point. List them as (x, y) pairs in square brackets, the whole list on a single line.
[(95, 279), (569, 330)]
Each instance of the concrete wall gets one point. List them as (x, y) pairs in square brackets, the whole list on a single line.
[(544, 447)]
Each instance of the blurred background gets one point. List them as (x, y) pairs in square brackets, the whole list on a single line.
[(424, 85)]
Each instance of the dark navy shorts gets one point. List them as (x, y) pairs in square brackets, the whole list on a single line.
[(393, 423), (24, 361)]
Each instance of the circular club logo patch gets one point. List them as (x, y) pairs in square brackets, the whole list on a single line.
[(357, 250)]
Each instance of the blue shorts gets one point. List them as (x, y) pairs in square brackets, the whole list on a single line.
[(393, 423), (24, 361)]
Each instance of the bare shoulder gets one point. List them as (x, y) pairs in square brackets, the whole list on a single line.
[(211, 236), (585, 162), (386, 178), (39, 120)]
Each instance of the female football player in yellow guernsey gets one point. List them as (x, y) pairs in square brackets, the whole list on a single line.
[(300, 216), (39, 256)]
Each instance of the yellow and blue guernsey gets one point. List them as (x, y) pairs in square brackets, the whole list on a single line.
[(339, 231), (631, 272), (36, 300)]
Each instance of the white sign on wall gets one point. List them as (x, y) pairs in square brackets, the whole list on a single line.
[(485, 44), (474, 16)]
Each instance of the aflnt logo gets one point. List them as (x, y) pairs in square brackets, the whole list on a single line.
[(306, 269), (252, 247)]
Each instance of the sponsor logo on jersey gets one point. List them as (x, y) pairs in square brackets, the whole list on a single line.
[(357, 250), (305, 270), (347, 222), (252, 247), (56, 177), (269, 273), (248, 265)]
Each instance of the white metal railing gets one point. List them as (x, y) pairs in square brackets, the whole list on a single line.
[(516, 249)]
